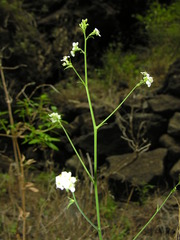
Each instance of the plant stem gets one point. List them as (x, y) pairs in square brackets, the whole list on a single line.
[(95, 163), (95, 184), (17, 152), (11, 120), (23, 190), (95, 139), (87, 219), (105, 120), (157, 210), (78, 75), (79, 157)]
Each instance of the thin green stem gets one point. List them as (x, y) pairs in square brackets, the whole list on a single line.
[(90, 107), (87, 219), (95, 139), (95, 185), (85, 60), (79, 157), (157, 210), (80, 78), (105, 120)]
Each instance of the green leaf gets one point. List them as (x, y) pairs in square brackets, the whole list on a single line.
[(34, 141), (52, 146), (3, 113), (54, 139), (54, 108), (71, 201)]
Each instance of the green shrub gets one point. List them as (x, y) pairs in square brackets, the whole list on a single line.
[(161, 27)]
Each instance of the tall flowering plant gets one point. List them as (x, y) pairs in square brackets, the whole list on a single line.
[(65, 180)]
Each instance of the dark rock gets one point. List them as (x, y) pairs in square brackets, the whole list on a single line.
[(109, 141), (173, 154), (153, 118), (138, 101), (5, 163), (164, 103), (81, 125), (175, 171), (172, 144), (73, 164), (172, 81), (127, 170), (72, 109), (168, 141), (174, 125), (135, 169), (78, 115), (153, 126)]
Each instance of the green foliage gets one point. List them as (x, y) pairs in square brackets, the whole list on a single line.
[(4, 181), (109, 211), (34, 125), (13, 228), (162, 25), (13, 9), (3, 121), (41, 139), (143, 192), (109, 208), (119, 67), (44, 6), (121, 235), (45, 179), (35, 109)]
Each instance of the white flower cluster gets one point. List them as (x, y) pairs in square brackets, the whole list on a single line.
[(96, 32), (65, 61), (147, 78), (75, 48), (55, 117), (65, 181)]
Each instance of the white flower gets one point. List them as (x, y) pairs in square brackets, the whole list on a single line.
[(148, 82), (65, 61), (75, 45), (147, 78), (55, 117), (65, 181), (96, 32), (75, 48), (72, 53)]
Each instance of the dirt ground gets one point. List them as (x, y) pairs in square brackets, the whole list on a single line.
[(48, 216)]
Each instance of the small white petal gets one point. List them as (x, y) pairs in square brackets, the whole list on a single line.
[(147, 79), (55, 117), (96, 31), (72, 53)]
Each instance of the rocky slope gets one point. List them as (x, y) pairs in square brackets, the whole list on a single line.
[(139, 145)]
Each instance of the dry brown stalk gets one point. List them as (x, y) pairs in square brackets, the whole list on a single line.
[(16, 150)]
